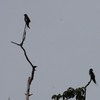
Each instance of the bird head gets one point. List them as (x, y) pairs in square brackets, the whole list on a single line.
[(25, 14), (91, 70)]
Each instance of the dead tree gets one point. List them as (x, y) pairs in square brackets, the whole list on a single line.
[(30, 78)]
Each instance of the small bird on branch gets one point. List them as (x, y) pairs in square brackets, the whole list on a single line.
[(92, 76), (27, 20)]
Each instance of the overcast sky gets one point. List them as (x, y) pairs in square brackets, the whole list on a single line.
[(63, 41)]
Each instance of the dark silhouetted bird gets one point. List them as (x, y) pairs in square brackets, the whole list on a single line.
[(92, 75), (27, 20)]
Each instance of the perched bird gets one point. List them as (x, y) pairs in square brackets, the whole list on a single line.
[(92, 75), (27, 20)]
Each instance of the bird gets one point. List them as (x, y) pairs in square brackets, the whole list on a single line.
[(92, 75), (27, 20)]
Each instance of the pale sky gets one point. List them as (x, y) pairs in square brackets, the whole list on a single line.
[(63, 41)]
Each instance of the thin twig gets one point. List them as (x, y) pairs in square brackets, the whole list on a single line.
[(86, 87), (24, 35), (88, 83)]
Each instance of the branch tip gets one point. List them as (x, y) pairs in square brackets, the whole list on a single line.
[(15, 43)]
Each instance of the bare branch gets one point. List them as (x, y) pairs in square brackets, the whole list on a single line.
[(24, 35), (21, 45), (88, 83), (32, 74), (30, 78), (27, 56), (15, 43)]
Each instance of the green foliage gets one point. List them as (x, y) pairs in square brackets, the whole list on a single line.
[(56, 97), (70, 93), (79, 93)]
